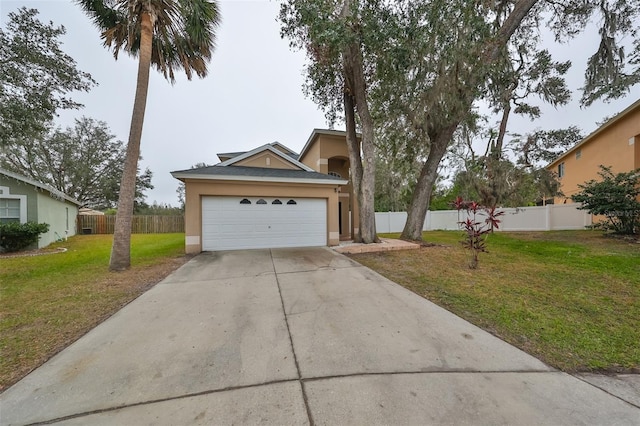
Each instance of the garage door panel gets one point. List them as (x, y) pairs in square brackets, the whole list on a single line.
[(227, 224)]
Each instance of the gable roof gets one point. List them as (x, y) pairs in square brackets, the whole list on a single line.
[(316, 132), (263, 148), (54, 192), (229, 155), (263, 174), (631, 108), (291, 153)]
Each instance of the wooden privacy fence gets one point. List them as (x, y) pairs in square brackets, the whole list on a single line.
[(97, 224)]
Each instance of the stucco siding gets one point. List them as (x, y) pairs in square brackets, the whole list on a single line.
[(60, 215), (21, 188), (267, 159), (196, 189), (312, 157), (616, 145), (333, 146)]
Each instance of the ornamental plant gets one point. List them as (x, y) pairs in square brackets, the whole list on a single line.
[(616, 197), (16, 236), (475, 229)]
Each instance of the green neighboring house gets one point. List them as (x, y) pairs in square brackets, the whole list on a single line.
[(24, 200)]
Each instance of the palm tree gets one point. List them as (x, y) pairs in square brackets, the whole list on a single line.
[(171, 35)]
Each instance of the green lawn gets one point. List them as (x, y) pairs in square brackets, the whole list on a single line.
[(571, 298), (49, 301)]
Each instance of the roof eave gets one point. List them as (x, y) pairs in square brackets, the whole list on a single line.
[(317, 132), (596, 132), (275, 179), (267, 147), (43, 186)]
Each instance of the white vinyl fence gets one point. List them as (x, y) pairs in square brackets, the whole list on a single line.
[(553, 217)]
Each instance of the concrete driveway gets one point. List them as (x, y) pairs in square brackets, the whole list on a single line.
[(297, 336)]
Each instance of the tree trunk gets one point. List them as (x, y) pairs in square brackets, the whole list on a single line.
[(441, 138), (355, 161), (424, 187), (121, 249), (368, 185), (497, 150), (356, 88)]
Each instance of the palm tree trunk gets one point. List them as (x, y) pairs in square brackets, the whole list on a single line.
[(121, 249)]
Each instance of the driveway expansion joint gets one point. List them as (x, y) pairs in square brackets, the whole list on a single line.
[(293, 351), (606, 391), (321, 268), (420, 372), (159, 400), (374, 328)]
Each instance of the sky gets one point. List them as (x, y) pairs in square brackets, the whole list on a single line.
[(252, 95)]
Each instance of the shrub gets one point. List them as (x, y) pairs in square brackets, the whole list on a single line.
[(616, 198), (475, 231), (15, 236)]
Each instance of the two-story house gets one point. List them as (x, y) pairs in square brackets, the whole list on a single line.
[(272, 197), (615, 144)]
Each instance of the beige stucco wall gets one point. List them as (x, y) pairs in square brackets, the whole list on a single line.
[(333, 146), (268, 160), (196, 189), (328, 152), (617, 146), (322, 148), (311, 158)]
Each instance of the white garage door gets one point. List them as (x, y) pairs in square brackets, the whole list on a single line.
[(230, 223)]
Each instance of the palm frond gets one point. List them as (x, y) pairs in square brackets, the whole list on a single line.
[(183, 31)]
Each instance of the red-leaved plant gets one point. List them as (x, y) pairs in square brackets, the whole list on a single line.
[(476, 230)]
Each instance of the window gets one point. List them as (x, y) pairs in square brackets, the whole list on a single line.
[(335, 174), (578, 154), (245, 201), (261, 201), (560, 170), (276, 201), (9, 210), (291, 202)]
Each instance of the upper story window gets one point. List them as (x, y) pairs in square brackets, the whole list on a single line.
[(560, 170), (336, 174)]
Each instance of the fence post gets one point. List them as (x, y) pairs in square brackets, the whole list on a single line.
[(588, 218), (548, 222)]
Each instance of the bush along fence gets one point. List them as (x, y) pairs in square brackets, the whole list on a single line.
[(90, 224), (552, 217)]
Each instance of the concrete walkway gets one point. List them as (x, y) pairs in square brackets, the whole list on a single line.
[(297, 336)]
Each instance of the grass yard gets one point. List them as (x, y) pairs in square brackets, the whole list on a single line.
[(49, 301), (570, 298)]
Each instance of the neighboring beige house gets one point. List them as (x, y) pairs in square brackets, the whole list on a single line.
[(271, 197), (615, 144), (25, 200)]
